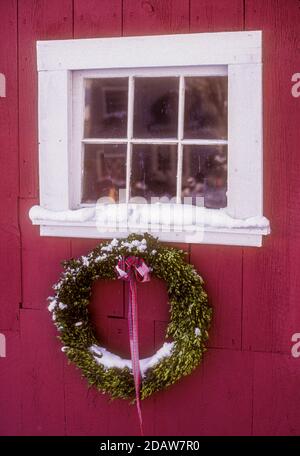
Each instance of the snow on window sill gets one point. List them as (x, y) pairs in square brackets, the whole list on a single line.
[(178, 223)]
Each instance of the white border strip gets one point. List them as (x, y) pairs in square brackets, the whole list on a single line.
[(150, 51)]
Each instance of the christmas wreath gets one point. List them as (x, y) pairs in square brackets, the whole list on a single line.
[(190, 317)]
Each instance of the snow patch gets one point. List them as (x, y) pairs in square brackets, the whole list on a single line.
[(135, 215), (110, 360), (39, 214)]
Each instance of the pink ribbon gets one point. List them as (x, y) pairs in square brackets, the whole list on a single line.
[(134, 269)]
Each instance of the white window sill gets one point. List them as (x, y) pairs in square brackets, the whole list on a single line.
[(192, 224)]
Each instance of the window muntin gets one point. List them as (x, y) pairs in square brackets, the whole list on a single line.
[(176, 109)]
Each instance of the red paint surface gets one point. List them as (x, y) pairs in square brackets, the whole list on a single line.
[(248, 382)]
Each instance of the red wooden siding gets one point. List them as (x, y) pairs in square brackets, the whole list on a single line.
[(248, 381)]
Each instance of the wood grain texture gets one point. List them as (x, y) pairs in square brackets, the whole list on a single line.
[(254, 292), (216, 16), (153, 17), (43, 405), (10, 277), (86, 410), (92, 21), (41, 260), (148, 17), (271, 275), (10, 386), (276, 406), (107, 296), (9, 182), (153, 300), (221, 269), (215, 400), (10, 274), (38, 20)]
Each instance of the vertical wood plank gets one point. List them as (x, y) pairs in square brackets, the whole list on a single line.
[(153, 300), (43, 411), (276, 395), (9, 183), (119, 338), (155, 17), (10, 386), (221, 266), (93, 19), (215, 400), (107, 299), (38, 20), (271, 274), (41, 260), (149, 18), (85, 407), (10, 276), (97, 19), (107, 296), (221, 269), (160, 331), (216, 16)]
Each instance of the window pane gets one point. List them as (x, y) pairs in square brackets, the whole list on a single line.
[(154, 169), (155, 108), (205, 174), (106, 102), (205, 114), (104, 171)]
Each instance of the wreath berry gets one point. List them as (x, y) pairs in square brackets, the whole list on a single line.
[(190, 316)]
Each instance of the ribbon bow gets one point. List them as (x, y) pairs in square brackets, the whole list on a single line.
[(134, 269)]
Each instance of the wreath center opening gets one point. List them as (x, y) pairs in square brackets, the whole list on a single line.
[(108, 310)]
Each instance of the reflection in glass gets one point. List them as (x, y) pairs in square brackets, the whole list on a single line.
[(155, 108), (205, 114), (154, 171), (205, 174), (106, 102), (104, 171)]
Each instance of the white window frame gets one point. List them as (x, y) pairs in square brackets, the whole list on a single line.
[(61, 66)]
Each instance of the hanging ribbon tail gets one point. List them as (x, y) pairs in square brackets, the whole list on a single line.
[(134, 346), (134, 269)]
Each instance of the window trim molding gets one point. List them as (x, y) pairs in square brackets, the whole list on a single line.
[(241, 52), (190, 49)]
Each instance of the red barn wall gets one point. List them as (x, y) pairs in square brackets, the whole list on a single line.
[(248, 382)]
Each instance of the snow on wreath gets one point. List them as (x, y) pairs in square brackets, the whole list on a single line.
[(190, 316)]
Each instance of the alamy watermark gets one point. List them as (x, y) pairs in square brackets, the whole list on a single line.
[(157, 214), (296, 87), (2, 346), (295, 350), (2, 86)]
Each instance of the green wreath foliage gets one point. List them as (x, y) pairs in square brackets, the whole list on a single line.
[(190, 314)]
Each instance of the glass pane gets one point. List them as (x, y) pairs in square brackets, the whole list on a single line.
[(205, 114), (106, 102), (104, 171), (155, 108), (204, 174), (154, 169)]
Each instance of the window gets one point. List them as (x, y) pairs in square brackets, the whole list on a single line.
[(141, 123), (156, 136)]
